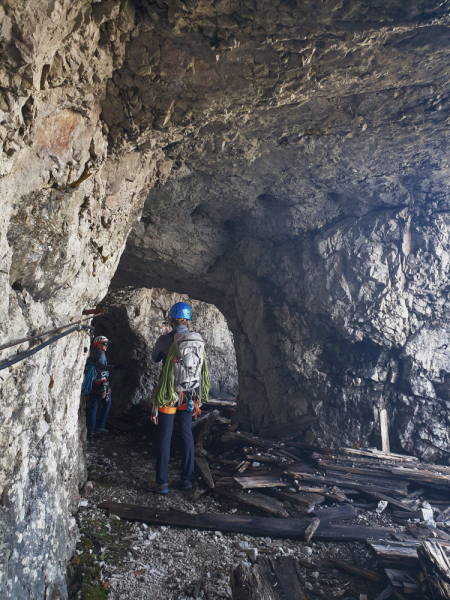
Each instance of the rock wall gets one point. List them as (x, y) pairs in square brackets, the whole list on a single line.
[(66, 209), (134, 323)]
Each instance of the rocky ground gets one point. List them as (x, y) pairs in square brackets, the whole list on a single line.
[(121, 560)]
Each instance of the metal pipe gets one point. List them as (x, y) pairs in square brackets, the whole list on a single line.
[(17, 359), (36, 337)]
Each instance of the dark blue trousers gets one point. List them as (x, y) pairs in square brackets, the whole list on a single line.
[(165, 428), (95, 398)]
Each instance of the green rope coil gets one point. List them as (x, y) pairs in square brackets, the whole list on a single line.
[(165, 394)]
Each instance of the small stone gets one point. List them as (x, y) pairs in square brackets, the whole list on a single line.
[(252, 553)]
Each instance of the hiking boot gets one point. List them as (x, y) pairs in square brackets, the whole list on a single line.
[(185, 485), (102, 430), (90, 437), (155, 488)]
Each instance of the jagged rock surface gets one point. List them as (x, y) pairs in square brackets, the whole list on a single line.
[(297, 160), (134, 323)]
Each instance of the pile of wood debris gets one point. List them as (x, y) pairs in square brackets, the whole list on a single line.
[(311, 492)]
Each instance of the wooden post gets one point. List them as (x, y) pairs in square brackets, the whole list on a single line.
[(384, 428)]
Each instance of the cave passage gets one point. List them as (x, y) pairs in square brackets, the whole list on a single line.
[(284, 162), (133, 324)]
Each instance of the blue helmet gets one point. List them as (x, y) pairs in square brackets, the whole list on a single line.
[(180, 310)]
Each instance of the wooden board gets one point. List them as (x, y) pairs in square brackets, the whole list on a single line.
[(345, 512), (256, 500), (257, 526), (251, 583), (305, 501), (395, 554), (437, 568), (288, 575), (373, 453), (365, 573), (260, 482), (203, 467), (394, 484), (221, 403), (344, 482)]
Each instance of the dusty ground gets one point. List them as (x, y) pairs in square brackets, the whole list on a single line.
[(121, 560)]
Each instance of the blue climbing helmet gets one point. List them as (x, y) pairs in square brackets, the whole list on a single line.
[(180, 310)]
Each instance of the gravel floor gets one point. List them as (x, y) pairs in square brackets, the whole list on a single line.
[(122, 560)]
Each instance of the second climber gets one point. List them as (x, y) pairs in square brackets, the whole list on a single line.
[(183, 384)]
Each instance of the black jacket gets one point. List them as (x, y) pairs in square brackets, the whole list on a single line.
[(103, 369)]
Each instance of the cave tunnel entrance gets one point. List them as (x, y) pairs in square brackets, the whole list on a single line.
[(133, 324)]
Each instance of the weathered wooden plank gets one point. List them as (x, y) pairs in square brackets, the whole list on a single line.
[(269, 459), (437, 568), (373, 453), (304, 501), (260, 482), (395, 485), (393, 553), (343, 482), (221, 403), (422, 476), (365, 573), (345, 512), (311, 530), (397, 503), (251, 583), (257, 526), (257, 500), (203, 467), (287, 573), (205, 433), (384, 429)]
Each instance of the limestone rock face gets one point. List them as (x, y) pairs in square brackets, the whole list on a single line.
[(286, 162), (134, 323)]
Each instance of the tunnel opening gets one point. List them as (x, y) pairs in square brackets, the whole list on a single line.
[(136, 318)]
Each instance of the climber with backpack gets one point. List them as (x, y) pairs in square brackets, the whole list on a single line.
[(96, 387), (183, 384)]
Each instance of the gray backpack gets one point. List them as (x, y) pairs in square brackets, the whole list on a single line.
[(187, 371)]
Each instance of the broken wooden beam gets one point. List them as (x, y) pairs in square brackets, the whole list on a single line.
[(436, 565), (367, 486), (257, 526), (374, 453), (251, 583), (305, 502), (289, 577), (311, 530), (345, 512), (260, 482), (256, 500), (205, 433), (365, 573), (203, 467), (395, 553), (221, 403)]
